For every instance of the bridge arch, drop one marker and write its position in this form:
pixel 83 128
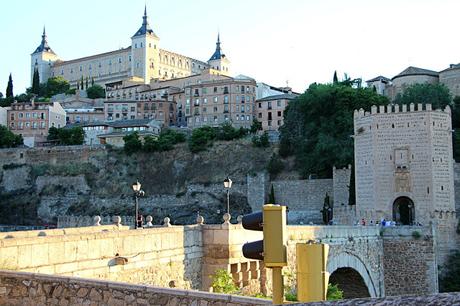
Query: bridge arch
pixel 345 265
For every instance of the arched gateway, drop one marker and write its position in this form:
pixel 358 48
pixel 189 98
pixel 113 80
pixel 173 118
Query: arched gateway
pixel 403 211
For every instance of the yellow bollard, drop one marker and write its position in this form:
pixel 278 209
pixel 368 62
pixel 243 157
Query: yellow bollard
pixel 312 275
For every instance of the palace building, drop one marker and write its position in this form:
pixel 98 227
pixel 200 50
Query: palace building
pixel 143 61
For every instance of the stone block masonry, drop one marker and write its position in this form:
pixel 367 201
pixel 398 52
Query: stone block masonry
pixel 409 260
pixel 19 288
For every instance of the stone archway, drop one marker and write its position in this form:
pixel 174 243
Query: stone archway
pixel 349 264
pixel 350 282
pixel 403 211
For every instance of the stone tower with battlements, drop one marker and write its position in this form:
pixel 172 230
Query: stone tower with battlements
pixel 404 167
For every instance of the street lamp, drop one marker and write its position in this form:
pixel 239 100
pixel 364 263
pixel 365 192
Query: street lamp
pixel 228 185
pixel 137 193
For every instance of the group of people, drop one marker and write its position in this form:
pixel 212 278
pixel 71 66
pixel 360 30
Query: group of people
pixel 382 222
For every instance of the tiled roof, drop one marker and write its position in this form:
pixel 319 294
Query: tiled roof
pixel 279 97
pixel 379 78
pixel 416 71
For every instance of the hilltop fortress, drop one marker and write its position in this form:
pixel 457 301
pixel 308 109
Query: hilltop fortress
pixel 142 61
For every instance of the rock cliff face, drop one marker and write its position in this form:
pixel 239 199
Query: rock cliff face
pixel 177 183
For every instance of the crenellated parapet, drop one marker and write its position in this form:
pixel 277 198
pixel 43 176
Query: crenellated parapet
pixel 396 108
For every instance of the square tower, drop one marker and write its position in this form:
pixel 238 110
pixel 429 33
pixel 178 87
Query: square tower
pixel 145 52
pixel 404 164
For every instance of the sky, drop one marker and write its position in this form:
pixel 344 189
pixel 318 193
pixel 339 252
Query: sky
pixel 294 42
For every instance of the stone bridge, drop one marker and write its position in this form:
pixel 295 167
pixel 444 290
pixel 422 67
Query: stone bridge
pixel 363 261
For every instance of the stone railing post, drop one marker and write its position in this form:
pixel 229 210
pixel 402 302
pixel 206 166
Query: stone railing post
pixel 97 221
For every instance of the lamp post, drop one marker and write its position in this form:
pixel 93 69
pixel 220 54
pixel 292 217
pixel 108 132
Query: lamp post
pixel 137 193
pixel 228 185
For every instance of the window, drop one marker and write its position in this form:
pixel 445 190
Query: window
pixel 142 45
pixel 27 115
pixel 215 119
pixel 248 117
pixel 237 117
pixel 34 125
pixel 133 108
pixel 28 124
pixel 12 116
pixel 204 109
pixel 205 91
pixel 205 100
pixel 215 109
pixel 279 114
pixel 269 104
pixel 215 89
pixel 21 115
pixel 260 115
pixel 225 108
pixel 20 125
pixel 278 103
pixel 215 99
pixel 260 105
pixel 80 68
pixel 42 125
pixel 242 108
pixel 34 115
pixel 129 58
pixel 226 99
pixel 119 60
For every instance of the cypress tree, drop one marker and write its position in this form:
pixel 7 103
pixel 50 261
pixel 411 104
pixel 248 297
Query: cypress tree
pixel 351 187
pixel 271 197
pixel 36 82
pixel 9 88
pixel 81 83
pixel 335 79
pixel 86 83
pixel 92 81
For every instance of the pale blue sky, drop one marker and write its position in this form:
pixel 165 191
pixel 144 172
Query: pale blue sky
pixel 273 41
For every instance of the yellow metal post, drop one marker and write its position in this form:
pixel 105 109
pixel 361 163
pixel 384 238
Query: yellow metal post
pixel 312 275
pixel 275 235
pixel 278 286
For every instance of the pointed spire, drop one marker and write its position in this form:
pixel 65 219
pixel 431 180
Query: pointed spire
pixel 145 28
pixel 218 53
pixel 43 47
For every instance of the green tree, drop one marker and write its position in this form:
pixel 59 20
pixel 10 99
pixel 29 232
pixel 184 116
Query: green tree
pixel 256 126
pixel 319 123
pixel 335 79
pixel 449 280
pixel 8 139
pixel 36 83
pixel 9 87
pixel 132 143
pixel 201 139
pixel 66 136
pixel 92 81
pixel 56 85
pixel 86 83
pixel 150 144
pixel 95 92
pixel 261 141
pixel 437 95
pixel 271 196
pixel 81 83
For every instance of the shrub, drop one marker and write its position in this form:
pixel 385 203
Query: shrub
pixel 95 92
pixel 275 165
pixel 449 280
pixel 8 139
pixel 334 293
pixel 132 143
pixel 261 141
pixel 222 282
pixel 416 235
pixel 201 138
